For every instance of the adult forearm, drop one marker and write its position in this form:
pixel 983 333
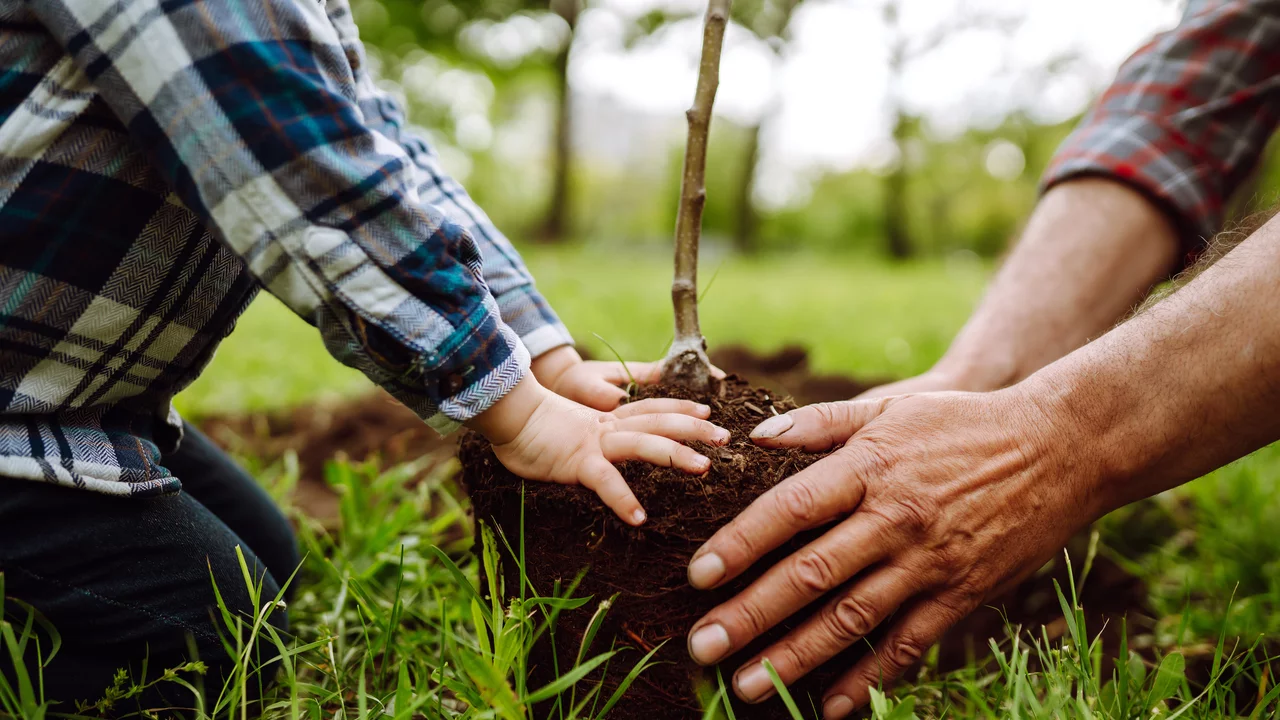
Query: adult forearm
pixel 1092 249
pixel 1188 386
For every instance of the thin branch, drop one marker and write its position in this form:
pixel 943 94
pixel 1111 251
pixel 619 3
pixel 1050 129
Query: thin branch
pixel 687 363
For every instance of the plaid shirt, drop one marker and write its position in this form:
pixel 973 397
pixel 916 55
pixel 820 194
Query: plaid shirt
pixel 1188 116
pixel 162 160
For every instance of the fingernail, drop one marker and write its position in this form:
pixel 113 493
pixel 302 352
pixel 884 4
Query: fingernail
pixel 708 644
pixel 638 517
pixel 836 707
pixel 706 571
pixel 704 409
pixel 772 428
pixel 721 437
pixel 753 683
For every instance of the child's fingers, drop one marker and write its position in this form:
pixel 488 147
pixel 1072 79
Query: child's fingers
pixel 602 478
pixel 676 427
pixel 663 405
pixel 653 449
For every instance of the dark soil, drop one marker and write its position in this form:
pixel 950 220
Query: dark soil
pixel 566 529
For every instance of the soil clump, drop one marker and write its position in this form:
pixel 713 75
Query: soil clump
pixel 566 529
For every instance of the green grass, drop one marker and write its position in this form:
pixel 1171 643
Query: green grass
pixel 391 622
pixel 857 316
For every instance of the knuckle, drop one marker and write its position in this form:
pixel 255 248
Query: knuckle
pixel 738 540
pixel 852 618
pixel 793 659
pixel 912 514
pixel 829 412
pixel 904 652
pixel 753 618
pixel 813 573
pixel 796 500
pixel 873 455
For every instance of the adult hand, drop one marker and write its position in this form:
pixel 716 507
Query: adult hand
pixel 939 501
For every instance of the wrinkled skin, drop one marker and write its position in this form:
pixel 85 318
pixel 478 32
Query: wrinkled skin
pixel 937 500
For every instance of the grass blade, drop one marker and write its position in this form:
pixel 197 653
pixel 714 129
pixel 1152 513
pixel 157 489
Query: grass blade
pixel 782 690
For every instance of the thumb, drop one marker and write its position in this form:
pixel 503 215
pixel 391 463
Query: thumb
pixel 818 427
pixel 600 395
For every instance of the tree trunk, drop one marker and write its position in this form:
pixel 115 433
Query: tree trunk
pixel 896 223
pixel 555 225
pixel 747 224
pixel 746 232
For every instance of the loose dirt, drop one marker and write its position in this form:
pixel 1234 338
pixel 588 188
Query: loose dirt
pixel 567 529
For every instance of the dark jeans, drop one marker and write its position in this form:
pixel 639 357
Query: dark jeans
pixel 125 579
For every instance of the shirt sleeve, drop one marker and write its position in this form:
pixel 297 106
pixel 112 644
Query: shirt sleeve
pixel 521 305
pixel 248 110
pixel 1188 116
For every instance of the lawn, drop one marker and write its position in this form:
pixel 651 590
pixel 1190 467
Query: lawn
pixel 389 624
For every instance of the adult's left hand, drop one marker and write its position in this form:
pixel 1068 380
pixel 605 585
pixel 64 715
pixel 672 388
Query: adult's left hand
pixel 940 500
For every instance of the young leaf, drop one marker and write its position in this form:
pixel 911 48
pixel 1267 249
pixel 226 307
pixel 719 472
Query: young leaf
pixel 1168 677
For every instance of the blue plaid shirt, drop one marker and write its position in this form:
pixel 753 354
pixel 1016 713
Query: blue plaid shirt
pixel 161 160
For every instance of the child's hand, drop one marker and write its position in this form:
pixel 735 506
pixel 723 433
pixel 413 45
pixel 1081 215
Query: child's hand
pixel 595 384
pixel 540 435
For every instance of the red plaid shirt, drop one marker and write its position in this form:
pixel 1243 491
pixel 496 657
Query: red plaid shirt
pixel 1188 116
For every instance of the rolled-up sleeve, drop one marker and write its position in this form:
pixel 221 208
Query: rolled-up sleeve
pixel 248 109
pixel 1188 116
pixel 522 306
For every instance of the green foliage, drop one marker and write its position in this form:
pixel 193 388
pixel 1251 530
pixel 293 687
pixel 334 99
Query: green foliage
pixel 1203 544
pixel 492 63
pixel 25 635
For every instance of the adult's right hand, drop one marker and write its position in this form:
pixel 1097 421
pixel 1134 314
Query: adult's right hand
pixel 939 501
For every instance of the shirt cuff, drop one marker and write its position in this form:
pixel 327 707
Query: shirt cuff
pixel 1151 156
pixel 530 316
pixel 484 391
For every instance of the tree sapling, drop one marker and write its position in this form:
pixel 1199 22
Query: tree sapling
pixel 686 364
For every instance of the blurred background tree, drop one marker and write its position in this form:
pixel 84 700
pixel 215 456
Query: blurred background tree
pixel 894 128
